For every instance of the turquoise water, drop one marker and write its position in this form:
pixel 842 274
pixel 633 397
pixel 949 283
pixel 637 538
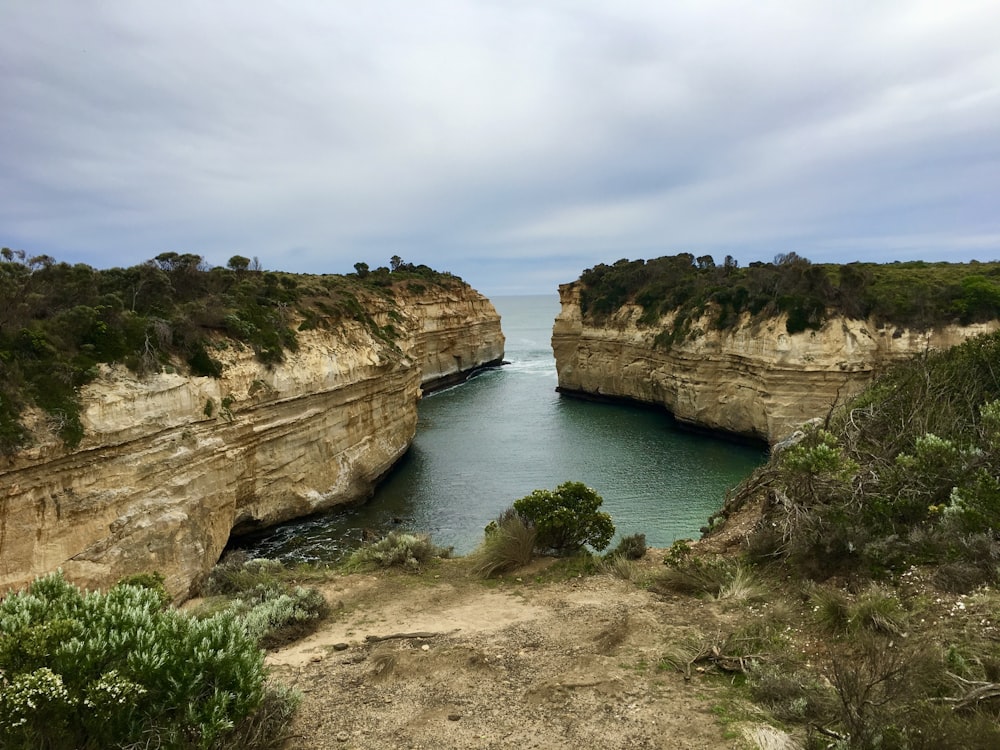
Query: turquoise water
pixel 485 443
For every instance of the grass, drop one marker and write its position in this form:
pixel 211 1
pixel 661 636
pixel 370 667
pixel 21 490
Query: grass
pixel 620 567
pixel 742 586
pixel 718 578
pixel 875 610
pixel 505 548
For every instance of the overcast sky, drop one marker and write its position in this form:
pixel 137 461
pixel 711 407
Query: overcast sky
pixel 512 142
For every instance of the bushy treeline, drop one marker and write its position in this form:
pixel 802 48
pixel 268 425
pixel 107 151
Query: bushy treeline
pixel 906 473
pixel 917 294
pixel 59 321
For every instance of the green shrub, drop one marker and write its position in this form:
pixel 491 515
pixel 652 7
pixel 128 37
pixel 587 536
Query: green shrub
pixel 260 592
pixel 154 582
pixel 632 547
pixel 238 573
pixel 397 550
pixel 508 544
pixel 106 670
pixel 278 615
pixel 202 364
pixel 567 518
pixel 875 610
pixel 906 473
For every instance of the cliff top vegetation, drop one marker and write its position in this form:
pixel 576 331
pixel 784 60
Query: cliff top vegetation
pixel 59 321
pixel 906 473
pixel 913 294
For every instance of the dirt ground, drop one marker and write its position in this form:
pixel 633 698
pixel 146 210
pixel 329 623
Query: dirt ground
pixel 442 660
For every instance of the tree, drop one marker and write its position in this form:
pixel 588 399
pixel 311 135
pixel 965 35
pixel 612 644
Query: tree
pixel 567 518
pixel 239 263
pixel 362 269
pixel 395 262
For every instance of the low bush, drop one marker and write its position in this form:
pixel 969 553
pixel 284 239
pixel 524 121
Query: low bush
pixel 397 550
pixel 885 688
pixel 720 578
pixel 567 519
pixel 875 610
pixel 273 609
pixel 238 573
pixel 632 547
pixel 276 616
pixel 508 544
pixel 115 669
pixel 905 473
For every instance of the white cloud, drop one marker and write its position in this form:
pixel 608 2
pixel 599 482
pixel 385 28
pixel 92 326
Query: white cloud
pixel 464 134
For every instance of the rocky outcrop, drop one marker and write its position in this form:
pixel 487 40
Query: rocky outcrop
pixel 172 465
pixel 753 380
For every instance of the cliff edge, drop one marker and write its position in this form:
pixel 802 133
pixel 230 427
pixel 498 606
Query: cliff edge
pixel 751 378
pixel 171 464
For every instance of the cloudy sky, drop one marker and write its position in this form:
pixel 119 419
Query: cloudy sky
pixel 513 142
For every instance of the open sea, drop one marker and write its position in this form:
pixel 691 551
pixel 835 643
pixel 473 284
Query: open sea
pixel 495 438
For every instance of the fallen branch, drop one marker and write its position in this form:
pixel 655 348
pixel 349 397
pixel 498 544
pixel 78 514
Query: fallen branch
pixel 976 692
pixel 725 662
pixel 830 733
pixel 404 636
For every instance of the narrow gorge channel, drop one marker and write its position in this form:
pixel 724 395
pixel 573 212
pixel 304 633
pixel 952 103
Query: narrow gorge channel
pixel 483 444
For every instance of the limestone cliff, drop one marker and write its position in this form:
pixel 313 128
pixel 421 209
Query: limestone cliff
pixel 171 465
pixel 753 380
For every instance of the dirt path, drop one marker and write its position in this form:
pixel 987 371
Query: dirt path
pixel 522 663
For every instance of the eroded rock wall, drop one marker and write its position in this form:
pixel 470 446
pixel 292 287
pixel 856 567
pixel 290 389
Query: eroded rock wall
pixel 171 465
pixel 454 335
pixel 754 380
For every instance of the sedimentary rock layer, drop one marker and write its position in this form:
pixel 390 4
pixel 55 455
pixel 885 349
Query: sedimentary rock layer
pixel 753 380
pixel 171 465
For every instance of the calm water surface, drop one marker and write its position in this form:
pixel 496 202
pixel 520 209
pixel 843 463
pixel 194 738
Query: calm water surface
pixel 483 444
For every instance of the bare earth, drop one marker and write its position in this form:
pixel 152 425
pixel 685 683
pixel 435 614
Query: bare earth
pixel 519 663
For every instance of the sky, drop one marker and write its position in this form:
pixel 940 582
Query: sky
pixel 514 143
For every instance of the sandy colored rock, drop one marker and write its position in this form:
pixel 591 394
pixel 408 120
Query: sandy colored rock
pixel 754 380
pixel 171 465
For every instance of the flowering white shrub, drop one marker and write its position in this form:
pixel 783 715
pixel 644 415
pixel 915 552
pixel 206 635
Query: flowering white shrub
pixel 100 670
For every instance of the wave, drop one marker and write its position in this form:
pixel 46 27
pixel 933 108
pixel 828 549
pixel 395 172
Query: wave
pixel 532 366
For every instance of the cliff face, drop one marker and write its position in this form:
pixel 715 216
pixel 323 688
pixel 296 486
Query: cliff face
pixel 752 380
pixel 171 465
pixel 454 334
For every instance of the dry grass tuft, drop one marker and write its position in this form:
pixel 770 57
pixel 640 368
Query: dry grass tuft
pixel 620 567
pixel 506 547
